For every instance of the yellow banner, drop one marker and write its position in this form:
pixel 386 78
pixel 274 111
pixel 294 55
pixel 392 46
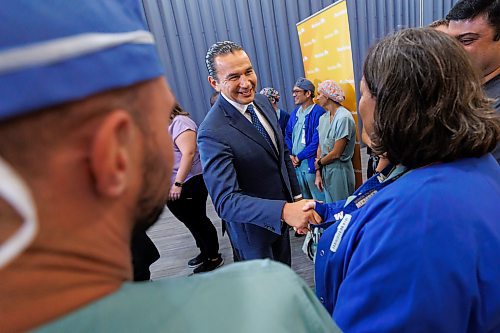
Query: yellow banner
pixel 325 43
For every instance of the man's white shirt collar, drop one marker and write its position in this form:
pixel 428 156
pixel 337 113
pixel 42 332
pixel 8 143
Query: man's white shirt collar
pixel 242 108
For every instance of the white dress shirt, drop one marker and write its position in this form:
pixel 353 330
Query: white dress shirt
pixel 242 108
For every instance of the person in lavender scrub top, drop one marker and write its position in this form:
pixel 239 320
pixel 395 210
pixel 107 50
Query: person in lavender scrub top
pixel 188 193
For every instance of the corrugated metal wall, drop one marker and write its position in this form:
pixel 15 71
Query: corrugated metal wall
pixel 184 29
pixel 370 20
pixel 436 9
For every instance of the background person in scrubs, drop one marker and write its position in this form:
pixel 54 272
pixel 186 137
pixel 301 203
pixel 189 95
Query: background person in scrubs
pixel 337 136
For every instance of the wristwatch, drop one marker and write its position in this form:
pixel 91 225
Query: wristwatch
pixel 319 163
pixel 178 184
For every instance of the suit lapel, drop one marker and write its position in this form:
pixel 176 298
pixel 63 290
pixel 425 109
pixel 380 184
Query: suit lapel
pixel 242 124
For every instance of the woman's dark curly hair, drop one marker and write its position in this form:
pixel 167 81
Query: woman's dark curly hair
pixel 430 106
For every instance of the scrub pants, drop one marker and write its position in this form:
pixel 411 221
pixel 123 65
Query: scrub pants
pixel 307 187
pixel 338 180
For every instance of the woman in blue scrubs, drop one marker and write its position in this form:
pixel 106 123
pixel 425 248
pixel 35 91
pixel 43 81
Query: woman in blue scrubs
pixel 416 248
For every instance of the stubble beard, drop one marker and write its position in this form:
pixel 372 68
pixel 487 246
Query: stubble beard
pixel 154 192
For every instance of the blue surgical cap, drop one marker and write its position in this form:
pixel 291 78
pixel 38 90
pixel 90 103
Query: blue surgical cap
pixel 305 84
pixel 52 52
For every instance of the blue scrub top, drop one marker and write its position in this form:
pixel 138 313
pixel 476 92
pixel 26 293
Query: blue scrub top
pixel 421 256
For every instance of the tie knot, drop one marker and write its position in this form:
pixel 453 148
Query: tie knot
pixel 250 108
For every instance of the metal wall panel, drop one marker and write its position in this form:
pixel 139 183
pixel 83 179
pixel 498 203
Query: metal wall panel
pixel 184 29
pixel 434 10
pixel 371 20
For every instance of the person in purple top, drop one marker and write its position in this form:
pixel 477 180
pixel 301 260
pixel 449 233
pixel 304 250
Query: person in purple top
pixel 188 193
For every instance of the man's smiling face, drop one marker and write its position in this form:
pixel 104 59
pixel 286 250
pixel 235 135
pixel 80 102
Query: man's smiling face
pixel 236 77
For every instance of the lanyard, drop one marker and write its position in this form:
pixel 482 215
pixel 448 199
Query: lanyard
pixel 357 200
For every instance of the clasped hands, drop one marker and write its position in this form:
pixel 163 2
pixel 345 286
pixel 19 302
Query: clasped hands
pixel 295 161
pixel 300 214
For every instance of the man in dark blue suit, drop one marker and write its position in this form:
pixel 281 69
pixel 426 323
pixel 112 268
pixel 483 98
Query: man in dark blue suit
pixel 246 164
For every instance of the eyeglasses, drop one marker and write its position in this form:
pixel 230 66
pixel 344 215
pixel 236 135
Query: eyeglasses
pixel 296 91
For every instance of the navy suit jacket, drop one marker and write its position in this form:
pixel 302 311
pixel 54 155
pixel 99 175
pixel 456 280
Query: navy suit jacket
pixel 248 181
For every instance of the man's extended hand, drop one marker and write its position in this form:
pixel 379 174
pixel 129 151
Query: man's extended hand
pixel 299 214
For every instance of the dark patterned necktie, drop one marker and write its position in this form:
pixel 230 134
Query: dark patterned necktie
pixel 258 125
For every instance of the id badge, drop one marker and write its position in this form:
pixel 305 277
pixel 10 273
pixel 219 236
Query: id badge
pixel 303 137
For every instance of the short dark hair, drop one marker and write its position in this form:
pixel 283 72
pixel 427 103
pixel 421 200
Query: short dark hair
pixel 219 48
pixel 439 23
pixel 469 9
pixel 430 106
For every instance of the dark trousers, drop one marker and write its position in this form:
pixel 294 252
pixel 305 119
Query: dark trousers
pixel 278 250
pixel 224 230
pixel 144 253
pixel 191 209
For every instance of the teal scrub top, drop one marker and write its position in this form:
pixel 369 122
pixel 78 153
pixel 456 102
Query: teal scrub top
pixel 253 296
pixel 338 176
pixel 342 126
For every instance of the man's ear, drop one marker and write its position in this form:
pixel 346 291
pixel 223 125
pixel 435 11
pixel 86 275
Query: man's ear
pixel 111 153
pixel 213 83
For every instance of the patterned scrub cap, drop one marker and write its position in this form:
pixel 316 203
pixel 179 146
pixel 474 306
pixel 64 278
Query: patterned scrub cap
pixel 332 90
pixel 270 92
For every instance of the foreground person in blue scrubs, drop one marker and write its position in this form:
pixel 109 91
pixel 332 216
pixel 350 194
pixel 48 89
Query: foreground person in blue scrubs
pixel 416 248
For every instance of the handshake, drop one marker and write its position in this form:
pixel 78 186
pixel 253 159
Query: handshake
pixel 300 214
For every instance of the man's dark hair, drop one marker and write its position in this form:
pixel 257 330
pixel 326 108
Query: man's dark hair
pixel 439 23
pixel 219 48
pixel 430 106
pixel 469 9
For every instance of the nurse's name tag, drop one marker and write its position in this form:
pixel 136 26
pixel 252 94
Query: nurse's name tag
pixel 340 232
